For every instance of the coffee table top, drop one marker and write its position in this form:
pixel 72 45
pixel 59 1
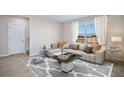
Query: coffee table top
pixel 66 58
pixel 59 53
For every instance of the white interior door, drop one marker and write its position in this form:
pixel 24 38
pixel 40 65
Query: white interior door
pixel 16 38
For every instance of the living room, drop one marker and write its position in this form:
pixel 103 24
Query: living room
pixel 70 39
pixel 66 46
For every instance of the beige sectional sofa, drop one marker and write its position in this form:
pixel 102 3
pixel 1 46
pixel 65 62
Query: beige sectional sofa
pixel 98 57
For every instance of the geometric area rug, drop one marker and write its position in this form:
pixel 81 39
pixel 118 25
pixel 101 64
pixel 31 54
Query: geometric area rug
pixel 51 68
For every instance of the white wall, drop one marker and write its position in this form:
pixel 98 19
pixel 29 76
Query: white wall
pixel 66 31
pixel 4 20
pixel 116 28
pixel 43 32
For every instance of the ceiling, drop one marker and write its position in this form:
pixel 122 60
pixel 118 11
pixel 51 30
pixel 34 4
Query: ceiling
pixel 63 18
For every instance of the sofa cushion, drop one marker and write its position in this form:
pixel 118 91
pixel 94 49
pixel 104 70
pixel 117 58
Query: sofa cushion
pixel 88 50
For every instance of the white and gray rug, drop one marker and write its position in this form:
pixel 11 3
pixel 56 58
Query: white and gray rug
pixel 51 68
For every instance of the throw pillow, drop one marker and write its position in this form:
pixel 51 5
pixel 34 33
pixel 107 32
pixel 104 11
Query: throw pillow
pixel 66 46
pixel 62 44
pixel 95 48
pixel 71 46
pixel 76 46
pixel 88 50
pixel 53 46
pixel 82 46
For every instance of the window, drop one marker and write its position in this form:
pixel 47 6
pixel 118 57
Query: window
pixel 87 33
pixel 90 29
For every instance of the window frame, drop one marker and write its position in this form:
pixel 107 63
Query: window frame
pixel 85 23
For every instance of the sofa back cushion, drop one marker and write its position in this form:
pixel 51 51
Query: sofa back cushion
pixel 74 46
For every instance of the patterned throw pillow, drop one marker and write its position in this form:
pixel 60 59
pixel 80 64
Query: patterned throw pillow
pixel 63 44
pixel 95 48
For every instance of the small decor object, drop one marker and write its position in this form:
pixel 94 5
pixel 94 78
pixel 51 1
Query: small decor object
pixel 63 57
pixel 116 40
pixel 37 60
pixel 62 43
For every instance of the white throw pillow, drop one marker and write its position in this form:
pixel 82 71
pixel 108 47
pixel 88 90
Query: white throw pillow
pixel 82 46
pixel 66 46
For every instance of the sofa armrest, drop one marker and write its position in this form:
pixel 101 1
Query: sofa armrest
pixel 100 56
pixel 46 49
pixel 48 53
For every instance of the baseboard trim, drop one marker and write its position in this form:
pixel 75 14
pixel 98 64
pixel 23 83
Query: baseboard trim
pixel 34 54
pixel 17 53
pixel 116 61
pixel 5 55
